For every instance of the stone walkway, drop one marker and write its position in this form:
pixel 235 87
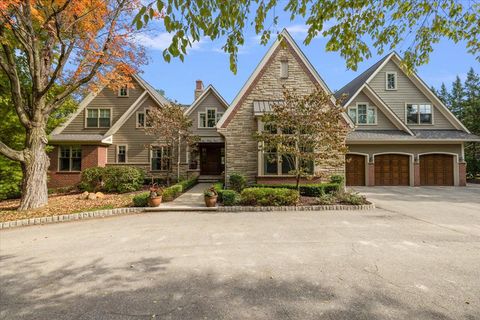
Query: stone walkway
pixel 190 200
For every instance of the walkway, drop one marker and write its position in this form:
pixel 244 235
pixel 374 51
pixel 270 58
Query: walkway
pixel 192 200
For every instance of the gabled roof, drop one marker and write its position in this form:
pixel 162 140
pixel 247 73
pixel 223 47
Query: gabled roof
pixel 149 91
pixel 251 81
pixel 356 85
pixel 388 136
pixel 209 90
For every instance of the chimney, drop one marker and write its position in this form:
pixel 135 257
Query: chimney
pixel 198 88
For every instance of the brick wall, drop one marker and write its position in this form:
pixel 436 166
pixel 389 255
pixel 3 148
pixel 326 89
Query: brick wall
pixel 92 156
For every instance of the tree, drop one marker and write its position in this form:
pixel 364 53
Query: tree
pixel 456 98
pixel 348 25
pixel 442 93
pixel 173 127
pixel 64 46
pixel 304 132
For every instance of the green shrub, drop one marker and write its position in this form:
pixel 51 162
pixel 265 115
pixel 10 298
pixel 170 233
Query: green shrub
pixel 91 179
pixel 187 184
pixel 352 198
pixel 172 192
pixel 112 179
pixel 141 199
pixel 308 190
pixel 336 178
pixel 326 199
pixel 229 197
pixel 238 182
pixel 218 186
pixel 269 197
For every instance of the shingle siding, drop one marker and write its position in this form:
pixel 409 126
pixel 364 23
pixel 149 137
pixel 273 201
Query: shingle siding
pixel 406 92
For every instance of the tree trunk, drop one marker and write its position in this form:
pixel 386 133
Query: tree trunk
pixel 35 168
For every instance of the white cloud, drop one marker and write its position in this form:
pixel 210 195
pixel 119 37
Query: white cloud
pixel 297 29
pixel 162 40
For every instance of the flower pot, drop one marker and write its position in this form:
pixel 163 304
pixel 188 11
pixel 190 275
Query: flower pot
pixel 211 201
pixel 154 201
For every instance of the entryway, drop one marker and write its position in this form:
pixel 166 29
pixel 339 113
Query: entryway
pixel 212 158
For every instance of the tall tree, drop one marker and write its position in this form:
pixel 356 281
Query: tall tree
pixel 67 43
pixel 471 118
pixel 303 132
pixel 456 97
pixel 348 25
pixel 443 93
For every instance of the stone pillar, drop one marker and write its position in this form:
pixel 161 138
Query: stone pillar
pixel 462 174
pixel 416 173
pixel 371 174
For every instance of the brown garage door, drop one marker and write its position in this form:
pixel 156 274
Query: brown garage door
pixel 355 170
pixel 436 170
pixel 392 170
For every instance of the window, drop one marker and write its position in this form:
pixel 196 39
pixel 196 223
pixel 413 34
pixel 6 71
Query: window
pixel 284 69
pixel 123 91
pixel 363 114
pixel 142 119
pixel 270 162
pixel 209 118
pixel 98 118
pixel 70 158
pixel 121 154
pixel 391 81
pixel 161 158
pixel 419 113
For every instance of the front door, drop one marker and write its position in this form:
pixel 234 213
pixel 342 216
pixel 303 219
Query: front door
pixel 211 159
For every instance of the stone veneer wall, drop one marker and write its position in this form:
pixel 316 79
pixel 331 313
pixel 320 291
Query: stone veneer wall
pixel 240 147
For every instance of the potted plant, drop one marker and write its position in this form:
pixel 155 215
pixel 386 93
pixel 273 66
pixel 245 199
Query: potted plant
pixel 210 196
pixel 155 197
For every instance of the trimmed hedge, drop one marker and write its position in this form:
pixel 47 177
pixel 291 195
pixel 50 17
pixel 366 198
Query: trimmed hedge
pixel 141 200
pixel 308 190
pixel 174 191
pixel 269 197
pixel 238 182
pixel 119 179
pixel 230 197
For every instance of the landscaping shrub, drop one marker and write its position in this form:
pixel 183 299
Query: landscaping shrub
pixel 141 200
pixel 269 197
pixel 352 198
pixel 308 190
pixel 326 199
pixel 187 184
pixel 218 186
pixel 172 192
pixel 112 179
pixel 336 178
pixel 238 182
pixel 229 197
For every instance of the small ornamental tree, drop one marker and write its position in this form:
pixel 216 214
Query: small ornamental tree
pixel 173 127
pixel 303 132
pixel 65 46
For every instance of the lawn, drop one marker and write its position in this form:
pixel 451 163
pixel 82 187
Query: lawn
pixel 64 204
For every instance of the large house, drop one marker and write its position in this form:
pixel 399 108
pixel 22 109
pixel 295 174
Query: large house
pixel 401 133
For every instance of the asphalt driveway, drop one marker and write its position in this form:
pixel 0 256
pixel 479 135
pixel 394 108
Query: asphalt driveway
pixel 417 257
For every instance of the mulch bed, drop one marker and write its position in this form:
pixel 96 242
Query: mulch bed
pixel 63 204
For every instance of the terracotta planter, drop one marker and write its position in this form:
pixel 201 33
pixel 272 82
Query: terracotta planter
pixel 211 201
pixel 155 202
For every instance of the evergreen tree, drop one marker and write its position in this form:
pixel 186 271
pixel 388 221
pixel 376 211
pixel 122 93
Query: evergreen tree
pixel 456 98
pixel 443 93
pixel 471 119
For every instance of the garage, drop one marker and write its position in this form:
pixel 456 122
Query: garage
pixel 355 170
pixel 392 170
pixel 436 170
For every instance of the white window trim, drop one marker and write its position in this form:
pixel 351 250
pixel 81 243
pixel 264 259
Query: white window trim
pixel 70 165
pixel 386 80
pixel 206 118
pixel 151 154
pixel 368 106
pixel 144 111
pixel 126 152
pixel 418 123
pixel 126 96
pixel 98 108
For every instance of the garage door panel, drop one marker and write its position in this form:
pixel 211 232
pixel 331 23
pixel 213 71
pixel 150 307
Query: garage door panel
pixel 436 170
pixel 392 170
pixel 355 170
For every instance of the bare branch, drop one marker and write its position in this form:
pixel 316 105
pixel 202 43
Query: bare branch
pixel 8 152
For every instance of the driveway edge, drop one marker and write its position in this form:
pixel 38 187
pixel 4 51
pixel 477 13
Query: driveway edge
pixel 332 207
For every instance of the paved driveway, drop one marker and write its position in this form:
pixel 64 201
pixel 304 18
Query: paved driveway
pixel 417 257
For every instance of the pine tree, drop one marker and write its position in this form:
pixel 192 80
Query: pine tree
pixel 456 98
pixel 443 93
pixel 471 119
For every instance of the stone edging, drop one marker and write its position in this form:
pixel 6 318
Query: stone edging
pixel 69 217
pixel 336 207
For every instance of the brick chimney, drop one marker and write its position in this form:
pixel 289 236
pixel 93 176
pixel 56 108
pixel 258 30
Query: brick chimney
pixel 198 88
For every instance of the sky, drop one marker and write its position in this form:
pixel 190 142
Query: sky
pixel 207 62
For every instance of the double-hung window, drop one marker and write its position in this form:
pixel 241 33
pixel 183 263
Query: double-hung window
pixel 161 158
pixel 142 119
pixel 123 91
pixel 98 118
pixel 363 114
pixel 70 158
pixel 391 81
pixel 209 118
pixel 419 113
pixel 121 154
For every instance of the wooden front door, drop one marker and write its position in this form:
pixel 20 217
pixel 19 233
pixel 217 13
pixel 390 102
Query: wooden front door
pixel 355 170
pixel 392 170
pixel 436 170
pixel 211 159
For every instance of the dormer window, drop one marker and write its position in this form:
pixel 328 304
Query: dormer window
pixel 142 119
pixel 284 69
pixel 209 118
pixel 123 91
pixel 363 114
pixel 391 81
